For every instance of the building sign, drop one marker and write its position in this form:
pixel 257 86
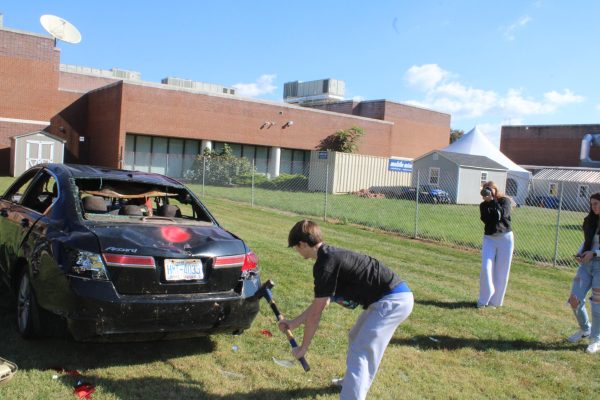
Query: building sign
pixel 322 155
pixel 399 165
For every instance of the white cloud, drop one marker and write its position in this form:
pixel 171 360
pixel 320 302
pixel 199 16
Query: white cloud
pixel 461 101
pixel 598 107
pixel 358 99
pixel 425 77
pixel 510 31
pixel 263 85
pixel 567 97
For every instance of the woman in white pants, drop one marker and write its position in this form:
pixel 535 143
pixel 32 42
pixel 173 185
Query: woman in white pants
pixel 498 246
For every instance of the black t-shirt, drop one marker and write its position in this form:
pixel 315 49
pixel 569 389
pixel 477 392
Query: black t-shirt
pixel 350 278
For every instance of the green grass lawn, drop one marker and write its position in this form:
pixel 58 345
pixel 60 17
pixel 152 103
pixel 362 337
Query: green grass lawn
pixel 535 228
pixel 447 349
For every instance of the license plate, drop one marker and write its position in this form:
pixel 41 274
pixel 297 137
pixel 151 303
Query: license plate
pixel 183 270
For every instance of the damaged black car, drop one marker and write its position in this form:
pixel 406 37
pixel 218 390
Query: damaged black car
pixel 105 253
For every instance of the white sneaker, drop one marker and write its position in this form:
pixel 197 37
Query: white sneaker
pixel 337 382
pixel 594 347
pixel 577 336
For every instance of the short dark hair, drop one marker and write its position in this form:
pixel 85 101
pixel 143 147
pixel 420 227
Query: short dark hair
pixel 305 231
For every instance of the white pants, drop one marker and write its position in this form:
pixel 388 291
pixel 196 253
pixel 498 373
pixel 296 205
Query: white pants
pixel 369 338
pixel 496 256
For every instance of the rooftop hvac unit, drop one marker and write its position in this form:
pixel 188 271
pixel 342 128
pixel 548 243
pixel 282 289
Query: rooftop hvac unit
pixel 124 74
pixel 184 83
pixel 319 91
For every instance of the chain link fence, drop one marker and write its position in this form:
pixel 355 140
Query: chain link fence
pixel 547 228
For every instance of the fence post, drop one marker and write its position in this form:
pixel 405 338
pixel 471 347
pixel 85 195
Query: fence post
pixel 557 237
pixel 415 235
pixel 203 173
pixel 252 187
pixel 326 189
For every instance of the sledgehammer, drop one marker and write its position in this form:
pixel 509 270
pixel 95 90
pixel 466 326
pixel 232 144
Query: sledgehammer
pixel 265 291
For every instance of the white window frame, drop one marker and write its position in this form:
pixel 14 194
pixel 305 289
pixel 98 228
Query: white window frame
pixel 435 175
pixel 551 186
pixel 484 178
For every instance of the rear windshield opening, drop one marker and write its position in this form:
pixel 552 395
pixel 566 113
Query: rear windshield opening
pixel 126 200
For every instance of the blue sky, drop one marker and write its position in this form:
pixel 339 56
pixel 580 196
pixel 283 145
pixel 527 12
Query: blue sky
pixel 486 63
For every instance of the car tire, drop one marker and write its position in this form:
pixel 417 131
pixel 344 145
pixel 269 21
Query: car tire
pixel 28 316
pixel 435 200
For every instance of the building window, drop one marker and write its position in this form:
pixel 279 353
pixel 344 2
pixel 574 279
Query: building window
pixel 553 189
pixel 434 176
pixel 484 178
pixel 584 191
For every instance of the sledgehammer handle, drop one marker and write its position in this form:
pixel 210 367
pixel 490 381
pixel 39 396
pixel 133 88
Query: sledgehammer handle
pixel 288 333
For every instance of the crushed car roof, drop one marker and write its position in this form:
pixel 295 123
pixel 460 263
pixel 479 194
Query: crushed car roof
pixel 90 171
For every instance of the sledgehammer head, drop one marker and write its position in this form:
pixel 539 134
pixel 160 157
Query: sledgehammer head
pixel 263 290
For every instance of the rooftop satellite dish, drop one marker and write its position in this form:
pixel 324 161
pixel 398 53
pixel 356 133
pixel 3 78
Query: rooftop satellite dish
pixel 60 29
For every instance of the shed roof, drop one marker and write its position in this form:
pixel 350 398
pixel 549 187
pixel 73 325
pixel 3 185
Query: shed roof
pixel 39 132
pixel 591 175
pixel 469 160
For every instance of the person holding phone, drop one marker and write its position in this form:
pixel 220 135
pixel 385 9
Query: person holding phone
pixel 497 248
pixel 586 278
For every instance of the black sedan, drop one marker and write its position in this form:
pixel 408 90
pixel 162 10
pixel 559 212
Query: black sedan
pixel 108 253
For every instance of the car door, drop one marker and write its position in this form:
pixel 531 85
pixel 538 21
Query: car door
pixel 16 219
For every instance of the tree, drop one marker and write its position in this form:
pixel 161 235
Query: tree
pixel 456 134
pixel 344 140
pixel 218 168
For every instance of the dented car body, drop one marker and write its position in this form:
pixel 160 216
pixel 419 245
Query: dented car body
pixel 113 253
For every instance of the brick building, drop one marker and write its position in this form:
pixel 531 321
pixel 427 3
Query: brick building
pixel 548 145
pixel 128 123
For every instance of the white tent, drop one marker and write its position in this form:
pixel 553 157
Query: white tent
pixel 474 142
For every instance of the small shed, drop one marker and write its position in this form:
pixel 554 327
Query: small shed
pixel 461 175
pixel 574 185
pixel 34 148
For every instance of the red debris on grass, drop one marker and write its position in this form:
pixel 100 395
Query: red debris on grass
pixel 84 390
pixel 266 332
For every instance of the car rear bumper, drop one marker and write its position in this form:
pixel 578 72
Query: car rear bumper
pixel 98 313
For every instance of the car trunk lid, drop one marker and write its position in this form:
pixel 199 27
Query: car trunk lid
pixel 165 259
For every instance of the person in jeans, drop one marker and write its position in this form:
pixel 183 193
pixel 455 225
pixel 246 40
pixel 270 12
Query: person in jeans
pixel 497 248
pixel 350 279
pixel 588 277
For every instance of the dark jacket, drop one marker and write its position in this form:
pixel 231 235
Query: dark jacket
pixel 495 215
pixel 590 226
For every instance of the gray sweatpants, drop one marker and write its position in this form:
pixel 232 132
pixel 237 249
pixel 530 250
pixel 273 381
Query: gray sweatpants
pixel 369 338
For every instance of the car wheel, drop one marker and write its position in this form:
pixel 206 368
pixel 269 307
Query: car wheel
pixel 28 322
pixel 435 200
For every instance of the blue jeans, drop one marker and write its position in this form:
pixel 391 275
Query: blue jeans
pixel 588 277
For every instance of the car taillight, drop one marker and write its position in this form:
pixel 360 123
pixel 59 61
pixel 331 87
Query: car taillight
pixel 125 260
pixel 246 261
pixel 89 265
pixel 250 262
pixel 229 261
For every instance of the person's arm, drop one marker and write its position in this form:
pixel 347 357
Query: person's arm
pixel 310 318
pixel 505 206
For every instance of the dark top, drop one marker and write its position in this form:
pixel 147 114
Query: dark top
pixel 590 228
pixel 350 278
pixel 495 215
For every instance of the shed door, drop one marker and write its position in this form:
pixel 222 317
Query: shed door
pixel 38 152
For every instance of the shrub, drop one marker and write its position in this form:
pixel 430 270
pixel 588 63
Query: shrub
pixel 219 169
